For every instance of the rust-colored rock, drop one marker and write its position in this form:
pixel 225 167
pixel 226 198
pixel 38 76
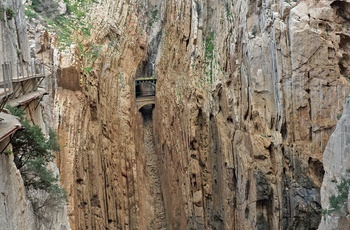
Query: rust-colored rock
pixel 248 95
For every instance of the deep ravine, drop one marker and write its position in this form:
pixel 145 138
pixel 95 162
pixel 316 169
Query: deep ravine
pixel 152 172
pixel 248 93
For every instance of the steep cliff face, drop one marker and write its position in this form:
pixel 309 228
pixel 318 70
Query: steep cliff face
pixel 335 186
pixel 14 38
pixel 12 203
pixel 94 120
pixel 248 94
pixel 16 209
pixel 254 130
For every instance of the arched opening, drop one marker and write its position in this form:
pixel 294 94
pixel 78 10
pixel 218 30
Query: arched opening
pixel 146 111
pixel 147 105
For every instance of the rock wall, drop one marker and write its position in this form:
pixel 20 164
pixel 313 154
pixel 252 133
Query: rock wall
pixel 248 94
pixel 14 204
pixel 16 210
pixel 94 120
pixel 336 164
pixel 251 142
pixel 14 46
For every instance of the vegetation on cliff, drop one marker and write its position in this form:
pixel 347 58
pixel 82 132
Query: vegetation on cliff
pixel 71 25
pixel 339 201
pixel 64 20
pixel 33 153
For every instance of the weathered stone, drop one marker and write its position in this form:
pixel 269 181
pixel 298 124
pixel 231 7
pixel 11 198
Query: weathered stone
pixel 241 88
pixel 336 164
pixel 16 210
pixel 262 187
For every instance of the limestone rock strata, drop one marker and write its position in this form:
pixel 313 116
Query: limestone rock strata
pixel 15 208
pixel 248 94
pixel 94 119
pixel 336 164
pixel 13 39
pixel 251 142
pixel 14 205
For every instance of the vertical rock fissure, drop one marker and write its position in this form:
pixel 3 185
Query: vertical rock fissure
pixel 157 203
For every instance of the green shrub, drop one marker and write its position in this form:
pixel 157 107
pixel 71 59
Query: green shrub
pixel 36 3
pixel 339 200
pixel 32 153
pixel 63 24
pixel 209 54
pixel 209 47
pixel 228 11
pixel 30 13
pixel 87 70
pixel 9 14
pixel 154 17
pixel 339 116
pixel 198 8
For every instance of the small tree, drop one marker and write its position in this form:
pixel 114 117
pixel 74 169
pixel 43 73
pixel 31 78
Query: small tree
pixel 339 201
pixel 32 152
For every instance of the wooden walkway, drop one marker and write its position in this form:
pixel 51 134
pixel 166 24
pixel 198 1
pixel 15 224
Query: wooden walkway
pixel 18 86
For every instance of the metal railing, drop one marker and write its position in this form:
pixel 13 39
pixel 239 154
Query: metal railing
pixel 25 70
pixel 6 79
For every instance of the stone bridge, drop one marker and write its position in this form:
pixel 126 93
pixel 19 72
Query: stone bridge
pixel 145 89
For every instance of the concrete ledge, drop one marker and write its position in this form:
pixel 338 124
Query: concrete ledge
pixel 26 98
pixel 4 91
pixel 9 124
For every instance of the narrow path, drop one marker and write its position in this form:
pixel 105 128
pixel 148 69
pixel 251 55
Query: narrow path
pixel 159 221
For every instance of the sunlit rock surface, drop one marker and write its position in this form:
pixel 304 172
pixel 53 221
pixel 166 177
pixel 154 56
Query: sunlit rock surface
pixel 336 165
pixel 248 95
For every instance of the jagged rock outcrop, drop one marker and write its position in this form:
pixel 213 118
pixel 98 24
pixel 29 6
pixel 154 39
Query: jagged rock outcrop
pixel 13 39
pixel 248 94
pixel 17 211
pixel 14 206
pixel 270 112
pixel 98 154
pixel 337 164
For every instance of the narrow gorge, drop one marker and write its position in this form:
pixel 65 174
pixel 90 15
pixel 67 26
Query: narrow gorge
pixel 189 114
pixel 155 200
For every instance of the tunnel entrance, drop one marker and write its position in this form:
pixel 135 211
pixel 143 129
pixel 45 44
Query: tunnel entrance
pixel 146 112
